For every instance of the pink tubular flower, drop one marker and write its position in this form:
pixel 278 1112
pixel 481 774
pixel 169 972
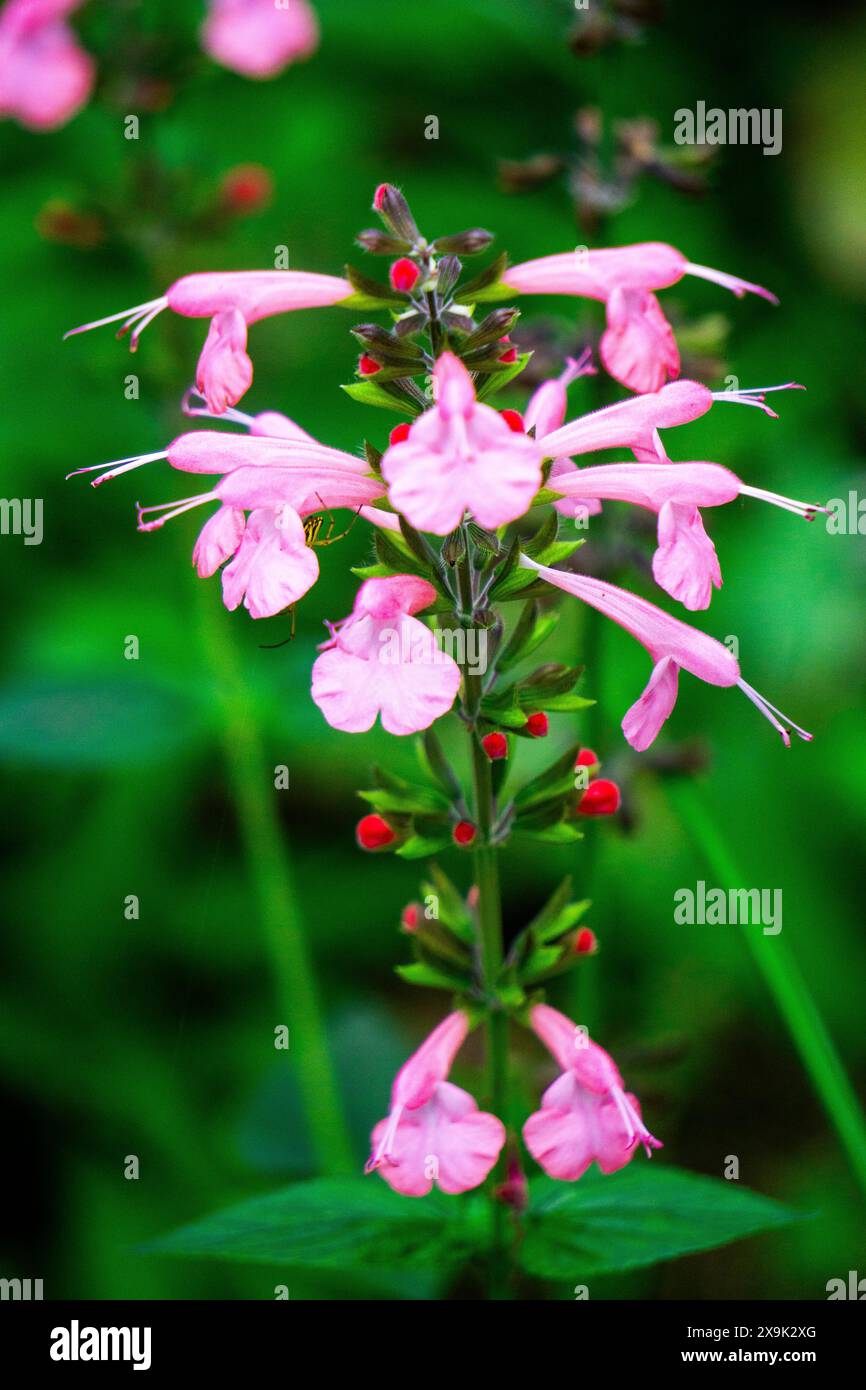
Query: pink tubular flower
pixel 435 1131
pixel 587 1115
pixel 461 456
pixel 45 76
pixel 546 413
pixel 232 300
pixel 259 38
pixel 673 646
pixel 638 347
pixel 635 423
pixel 685 564
pixel 382 660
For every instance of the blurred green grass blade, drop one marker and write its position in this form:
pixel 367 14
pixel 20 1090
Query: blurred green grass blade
pixel 273 885
pixel 786 984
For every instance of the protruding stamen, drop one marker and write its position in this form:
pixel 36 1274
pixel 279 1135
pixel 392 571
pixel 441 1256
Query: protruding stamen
pixel 809 510
pixel 146 311
pixel 237 417
pixel 729 282
pixel 754 395
pixel 171 510
pixel 774 715
pixel 577 367
pixel 115 469
pixel 383 1152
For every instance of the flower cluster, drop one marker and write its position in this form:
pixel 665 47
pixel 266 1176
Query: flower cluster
pixel 46 77
pixel 465 501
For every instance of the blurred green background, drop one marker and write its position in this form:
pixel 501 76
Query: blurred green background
pixel 154 1036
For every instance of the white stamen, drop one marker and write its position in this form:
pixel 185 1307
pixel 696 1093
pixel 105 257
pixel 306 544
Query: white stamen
pixel 770 712
pixel 117 467
pixel 171 510
pixel 788 504
pixel 140 311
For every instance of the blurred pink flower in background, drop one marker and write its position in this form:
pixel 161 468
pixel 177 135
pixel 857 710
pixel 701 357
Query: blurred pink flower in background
pixel 45 75
pixel 259 38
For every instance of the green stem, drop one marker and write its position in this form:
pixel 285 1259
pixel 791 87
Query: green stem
pixel 784 981
pixel 490 937
pixel 273 886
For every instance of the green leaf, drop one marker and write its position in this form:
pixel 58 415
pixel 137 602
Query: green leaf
pixel 436 763
pixel 563 832
pixel 368 393
pixel 327 1223
pixel 453 912
pixel 643 1215
pixel 371 291
pixel 423 846
pixel 546 781
pixel 566 704
pixel 497 379
pixel 420 973
pixel 488 279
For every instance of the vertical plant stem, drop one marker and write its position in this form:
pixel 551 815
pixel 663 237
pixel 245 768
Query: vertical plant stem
pixel 490 934
pixel 782 977
pixel 273 885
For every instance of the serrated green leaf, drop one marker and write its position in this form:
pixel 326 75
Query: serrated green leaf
pixel 643 1215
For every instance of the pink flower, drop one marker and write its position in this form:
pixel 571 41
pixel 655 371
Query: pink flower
pixel 45 76
pixel 673 646
pixel 546 412
pixel 435 1131
pixel 461 456
pixel 259 38
pixel 224 370
pixel 232 300
pixel 638 347
pixel 685 564
pixel 587 1115
pixel 635 423
pixel 273 567
pixel 383 661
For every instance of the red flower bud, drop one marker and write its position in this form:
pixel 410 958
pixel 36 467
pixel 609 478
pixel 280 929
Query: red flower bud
pixel 601 798
pixel 495 746
pixel 372 832
pixel 404 275
pixel 510 353
pixel 379 196
pixel 399 433
pixel 586 942
pixel 537 725
pixel 247 188
pixel 367 366
pixel 410 917
pixel 587 758
pixel 514 421
pixel 463 833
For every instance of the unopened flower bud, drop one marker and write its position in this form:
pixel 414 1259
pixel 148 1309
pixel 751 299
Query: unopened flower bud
pixel 495 746
pixel 510 353
pixel 247 188
pixel 368 366
pixel 465 243
pixel 586 942
pixel 404 275
pixel 463 833
pixel 601 798
pixel 394 211
pixel 514 421
pixel 587 758
pixel 372 832
pixel 537 725
pixel 410 917
pixel 399 433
